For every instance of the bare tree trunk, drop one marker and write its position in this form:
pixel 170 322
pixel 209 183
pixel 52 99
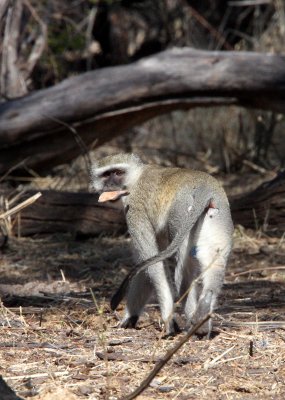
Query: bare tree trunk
pixel 16 62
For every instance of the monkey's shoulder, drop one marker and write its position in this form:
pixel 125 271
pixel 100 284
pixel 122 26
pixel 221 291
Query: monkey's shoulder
pixel 159 186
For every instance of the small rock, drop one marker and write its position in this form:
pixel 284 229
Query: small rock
pixel 117 342
pixel 155 383
pixel 166 389
pixel 84 389
pixel 252 251
pixel 266 249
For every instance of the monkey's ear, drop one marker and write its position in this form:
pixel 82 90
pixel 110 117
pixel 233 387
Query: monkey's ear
pixel 112 196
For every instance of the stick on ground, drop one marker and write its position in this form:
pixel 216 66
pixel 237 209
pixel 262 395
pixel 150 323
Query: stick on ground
pixel 145 383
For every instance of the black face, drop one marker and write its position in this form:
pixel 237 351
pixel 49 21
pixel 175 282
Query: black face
pixel 113 179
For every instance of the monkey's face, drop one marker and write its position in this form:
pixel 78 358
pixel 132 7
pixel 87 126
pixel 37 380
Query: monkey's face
pixel 108 180
pixel 114 176
pixel 110 183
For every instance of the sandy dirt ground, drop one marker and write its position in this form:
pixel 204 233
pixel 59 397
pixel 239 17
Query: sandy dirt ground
pixel 59 342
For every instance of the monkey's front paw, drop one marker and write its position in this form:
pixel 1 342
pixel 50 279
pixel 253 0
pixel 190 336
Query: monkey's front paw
pixel 129 322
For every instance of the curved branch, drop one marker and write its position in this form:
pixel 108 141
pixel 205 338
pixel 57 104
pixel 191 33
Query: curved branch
pixel 105 103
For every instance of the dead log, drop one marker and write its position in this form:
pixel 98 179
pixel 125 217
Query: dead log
pixel 81 214
pixel 78 213
pixel 105 103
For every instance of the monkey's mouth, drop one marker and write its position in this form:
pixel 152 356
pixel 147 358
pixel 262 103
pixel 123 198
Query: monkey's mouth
pixel 112 196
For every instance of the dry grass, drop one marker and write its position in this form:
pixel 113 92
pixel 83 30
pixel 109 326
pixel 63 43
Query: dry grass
pixel 59 344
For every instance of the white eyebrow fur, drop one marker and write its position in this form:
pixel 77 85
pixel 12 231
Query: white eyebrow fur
pixel 101 170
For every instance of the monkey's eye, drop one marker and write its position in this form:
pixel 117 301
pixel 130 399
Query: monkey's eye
pixel 106 174
pixel 118 172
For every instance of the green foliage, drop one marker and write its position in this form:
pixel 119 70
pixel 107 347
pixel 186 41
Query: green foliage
pixel 68 39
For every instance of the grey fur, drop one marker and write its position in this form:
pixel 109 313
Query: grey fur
pixel 189 210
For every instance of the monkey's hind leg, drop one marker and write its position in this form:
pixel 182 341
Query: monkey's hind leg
pixel 213 248
pixel 186 271
pixel 165 297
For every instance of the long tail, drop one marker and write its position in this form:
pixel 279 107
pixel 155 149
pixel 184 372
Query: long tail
pixel 183 232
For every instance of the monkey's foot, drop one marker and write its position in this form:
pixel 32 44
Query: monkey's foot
pixel 203 308
pixel 172 328
pixel 205 330
pixel 129 322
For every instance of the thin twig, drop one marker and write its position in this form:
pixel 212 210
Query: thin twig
pixel 38 375
pixel 20 206
pixel 40 42
pixel 209 364
pixel 80 142
pixel 257 270
pixel 206 24
pixel 259 324
pixel 19 164
pixel 145 383
pixel 255 167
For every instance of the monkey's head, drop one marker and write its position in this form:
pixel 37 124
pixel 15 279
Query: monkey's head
pixel 114 176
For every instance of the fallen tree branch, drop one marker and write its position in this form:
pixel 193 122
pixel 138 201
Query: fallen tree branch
pixel 81 213
pixel 78 213
pixel 105 103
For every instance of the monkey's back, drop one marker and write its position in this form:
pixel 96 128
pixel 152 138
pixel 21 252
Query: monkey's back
pixel 159 186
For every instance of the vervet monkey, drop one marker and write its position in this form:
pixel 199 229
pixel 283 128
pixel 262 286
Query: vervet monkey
pixel 188 209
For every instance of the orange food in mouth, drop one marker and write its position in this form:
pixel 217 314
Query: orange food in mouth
pixel 112 196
